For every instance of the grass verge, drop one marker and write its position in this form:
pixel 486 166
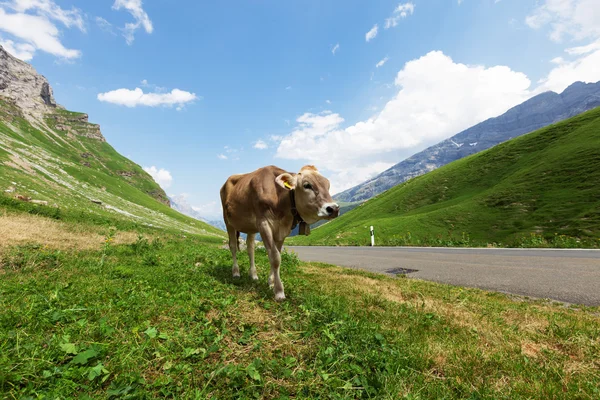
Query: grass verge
pixel 164 318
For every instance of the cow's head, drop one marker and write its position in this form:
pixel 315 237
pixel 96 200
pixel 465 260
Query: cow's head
pixel 313 200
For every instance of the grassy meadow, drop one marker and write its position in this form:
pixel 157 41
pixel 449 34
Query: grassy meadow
pixel 154 314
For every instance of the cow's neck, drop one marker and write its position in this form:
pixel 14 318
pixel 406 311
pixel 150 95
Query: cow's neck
pixel 304 227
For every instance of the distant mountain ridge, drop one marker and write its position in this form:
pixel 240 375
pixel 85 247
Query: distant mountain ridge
pixel 180 203
pixel 540 111
pixel 539 189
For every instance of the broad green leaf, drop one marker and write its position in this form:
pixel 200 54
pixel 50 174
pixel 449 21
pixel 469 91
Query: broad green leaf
pixel 151 332
pixel 252 372
pixel 69 348
pixel 97 371
pixel 83 357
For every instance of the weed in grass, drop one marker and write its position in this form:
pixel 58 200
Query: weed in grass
pixel 107 244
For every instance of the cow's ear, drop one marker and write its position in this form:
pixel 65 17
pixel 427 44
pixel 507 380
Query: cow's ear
pixel 286 181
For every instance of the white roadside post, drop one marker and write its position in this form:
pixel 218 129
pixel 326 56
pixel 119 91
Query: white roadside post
pixel 372 237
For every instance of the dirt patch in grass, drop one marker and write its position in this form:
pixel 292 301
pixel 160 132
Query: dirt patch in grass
pixel 525 321
pixel 390 290
pixel 20 164
pixel 270 335
pixel 24 229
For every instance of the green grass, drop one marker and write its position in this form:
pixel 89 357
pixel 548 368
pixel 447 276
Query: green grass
pixel 164 318
pixel 541 190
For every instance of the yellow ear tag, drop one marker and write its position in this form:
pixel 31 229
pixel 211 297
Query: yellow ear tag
pixel 287 185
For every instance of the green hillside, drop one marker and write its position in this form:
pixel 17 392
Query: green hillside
pixel 539 189
pixel 62 167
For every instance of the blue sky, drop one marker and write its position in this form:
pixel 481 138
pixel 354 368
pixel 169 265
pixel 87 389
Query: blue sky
pixel 304 82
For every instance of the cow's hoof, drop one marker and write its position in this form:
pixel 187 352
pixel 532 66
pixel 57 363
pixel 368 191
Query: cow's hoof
pixel 279 296
pixel 236 275
pixel 254 277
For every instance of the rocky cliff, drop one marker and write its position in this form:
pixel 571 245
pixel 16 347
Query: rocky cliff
pixel 21 83
pixel 535 113
pixel 30 92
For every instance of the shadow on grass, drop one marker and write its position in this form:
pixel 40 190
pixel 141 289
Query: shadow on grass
pixel 222 273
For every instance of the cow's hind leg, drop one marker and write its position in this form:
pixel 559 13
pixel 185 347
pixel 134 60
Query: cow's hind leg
pixel 250 246
pixel 233 247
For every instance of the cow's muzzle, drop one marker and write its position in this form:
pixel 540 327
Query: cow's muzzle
pixel 329 210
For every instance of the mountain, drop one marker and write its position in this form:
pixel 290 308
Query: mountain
pixel 55 159
pixel 546 183
pixel 540 111
pixel 180 203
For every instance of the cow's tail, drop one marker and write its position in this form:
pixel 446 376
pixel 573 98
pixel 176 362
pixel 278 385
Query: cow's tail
pixel 237 239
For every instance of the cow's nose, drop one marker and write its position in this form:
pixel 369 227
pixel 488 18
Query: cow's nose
pixel 333 210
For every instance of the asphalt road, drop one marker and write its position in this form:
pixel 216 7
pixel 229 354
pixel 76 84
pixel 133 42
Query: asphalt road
pixel 571 276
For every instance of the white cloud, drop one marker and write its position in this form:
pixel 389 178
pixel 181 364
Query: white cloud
pixel 23 51
pixel 382 62
pixel 372 33
pixel 230 150
pixel 335 49
pixel 436 99
pixel 581 50
pixel 137 97
pixel 579 19
pixel 105 25
pixel 34 24
pixel 402 11
pixel 222 157
pixel 585 68
pixel 260 145
pixel 326 101
pixel 160 176
pixel 141 18
pixel 50 10
pixel 288 88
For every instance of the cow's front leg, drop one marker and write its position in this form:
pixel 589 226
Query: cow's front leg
pixel 233 246
pixel 250 246
pixel 275 259
pixel 273 250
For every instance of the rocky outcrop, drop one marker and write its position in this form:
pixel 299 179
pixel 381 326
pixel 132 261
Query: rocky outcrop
pixel 20 83
pixel 31 93
pixel 535 113
pixel 76 124
pixel 160 196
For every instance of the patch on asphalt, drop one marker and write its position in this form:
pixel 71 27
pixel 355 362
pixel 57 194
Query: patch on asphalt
pixel 401 271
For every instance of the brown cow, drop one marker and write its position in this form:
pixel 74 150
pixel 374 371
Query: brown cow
pixel 271 201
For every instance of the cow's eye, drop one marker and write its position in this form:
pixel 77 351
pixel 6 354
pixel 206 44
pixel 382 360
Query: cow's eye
pixel 307 186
